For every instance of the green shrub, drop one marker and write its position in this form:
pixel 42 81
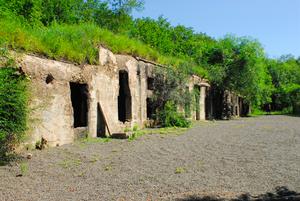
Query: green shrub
pixel 170 117
pixel 135 128
pixel 13 109
pixel 170 91
pixel 296 101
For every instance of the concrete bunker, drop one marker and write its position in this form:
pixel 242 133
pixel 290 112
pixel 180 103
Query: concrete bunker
pixel 73 103
pixel 124 98
pixel 79 99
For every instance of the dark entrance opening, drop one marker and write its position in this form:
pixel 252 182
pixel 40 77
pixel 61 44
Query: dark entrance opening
pixel 124 99
pixel 197 101
pixel 208 105
pixel 150 109
pixel 187 103
pixel 150 83
pixel 217 102
pixel 79 98
pixel 101 124
pixel 244 108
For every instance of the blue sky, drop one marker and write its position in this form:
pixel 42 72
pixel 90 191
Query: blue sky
pixel 275 23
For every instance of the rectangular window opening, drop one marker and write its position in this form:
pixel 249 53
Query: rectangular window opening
pixel 124 99
pixel 150 109
pixel 79 98
pixel 150 83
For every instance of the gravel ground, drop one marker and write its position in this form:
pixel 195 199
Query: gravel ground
pixel 252 155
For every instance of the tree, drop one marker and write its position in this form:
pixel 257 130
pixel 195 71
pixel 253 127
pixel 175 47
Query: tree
pixel 237 64
pixel 285 74
pixel 126 6
pixel 28 9
pixel 170 92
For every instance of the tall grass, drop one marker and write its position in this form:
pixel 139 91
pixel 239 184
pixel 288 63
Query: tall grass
pixel 76 43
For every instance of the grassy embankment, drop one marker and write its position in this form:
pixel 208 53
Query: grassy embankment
pixel 78 43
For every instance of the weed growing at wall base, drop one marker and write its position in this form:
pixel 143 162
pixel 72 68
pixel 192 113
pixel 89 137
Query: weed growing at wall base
pixel 170 117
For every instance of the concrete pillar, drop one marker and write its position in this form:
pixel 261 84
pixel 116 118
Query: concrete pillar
pixel 92 114
pixel 202 102
pixel 238 106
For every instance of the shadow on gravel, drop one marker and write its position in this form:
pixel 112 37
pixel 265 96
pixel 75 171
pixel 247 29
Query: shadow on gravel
pixel 281 193
pixel 293 115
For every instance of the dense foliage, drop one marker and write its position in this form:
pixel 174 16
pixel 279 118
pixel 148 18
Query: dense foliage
pixel 170 90
pixel 170 117
pixel 238 64
pixel 285 74
pixel 113 14
pixel 13 105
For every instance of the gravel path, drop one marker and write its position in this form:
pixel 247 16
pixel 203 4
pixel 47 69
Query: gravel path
pixel 224 157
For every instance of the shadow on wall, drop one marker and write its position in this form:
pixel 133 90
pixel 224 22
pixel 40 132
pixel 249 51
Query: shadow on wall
pixel 281 193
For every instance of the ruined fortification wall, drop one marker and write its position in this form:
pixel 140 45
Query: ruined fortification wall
pixel 51 102
pixel 69 101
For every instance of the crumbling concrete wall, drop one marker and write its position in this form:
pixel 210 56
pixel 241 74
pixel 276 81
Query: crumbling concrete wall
pixel 224 104
pixel 51 104
pixel 51 108
pixel 52 112
pixel 234 104
pixel 202 84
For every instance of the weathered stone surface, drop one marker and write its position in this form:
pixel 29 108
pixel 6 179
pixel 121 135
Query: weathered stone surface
pixel 52 116
pixel 203 85
pixel 52 111
pixel 106 57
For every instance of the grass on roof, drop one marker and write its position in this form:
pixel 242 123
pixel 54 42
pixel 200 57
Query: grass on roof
pixel 78 43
